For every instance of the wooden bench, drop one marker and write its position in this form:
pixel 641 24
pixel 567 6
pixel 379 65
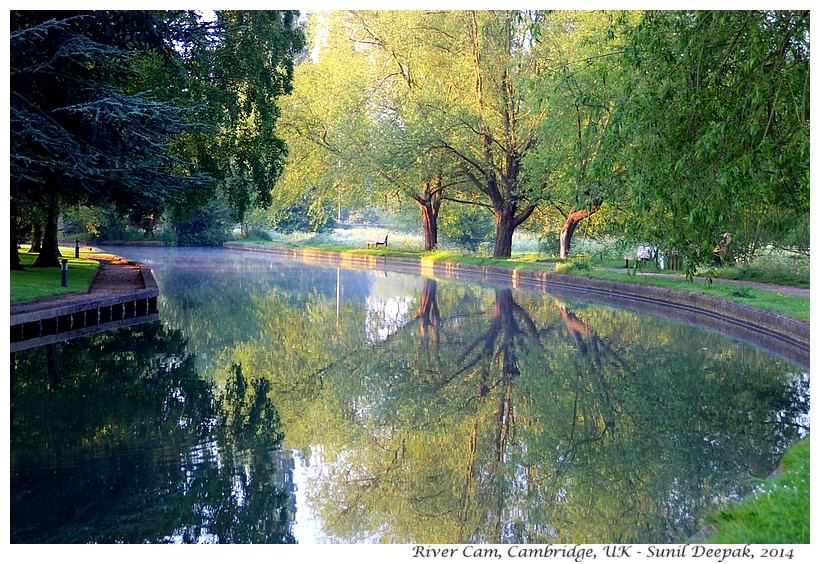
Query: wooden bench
pixel 644 253
pixel 378 241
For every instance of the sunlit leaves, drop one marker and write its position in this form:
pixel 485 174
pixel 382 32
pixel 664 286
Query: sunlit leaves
pixel 716 121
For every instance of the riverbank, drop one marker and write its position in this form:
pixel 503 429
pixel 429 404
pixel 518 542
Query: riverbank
pixel 492 275
pixel 778 333
pixel 121 293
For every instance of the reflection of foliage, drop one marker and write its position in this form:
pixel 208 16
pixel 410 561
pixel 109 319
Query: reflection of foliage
pixel 239 304
pixel 147 458
pixel 523 420
pixel 434 411
pixel 246 414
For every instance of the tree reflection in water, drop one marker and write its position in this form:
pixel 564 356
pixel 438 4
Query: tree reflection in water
pixel 467 415
pixel 536 421
pixel 115 438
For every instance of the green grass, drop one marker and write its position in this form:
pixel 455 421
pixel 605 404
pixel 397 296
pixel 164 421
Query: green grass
pixel 796 307
pixel 777 513
pixel 33 283
pixel 787 275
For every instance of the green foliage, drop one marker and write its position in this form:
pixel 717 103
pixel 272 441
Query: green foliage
pixel 106 224
pixel 237 78
pixel 797 275
pixel 575 264
pixel 206 226
pixel 666 125
pixel 743 293
pixel 467 226
pixel 713 126
pixel 580 69
pixel 79 134
pixel 309 214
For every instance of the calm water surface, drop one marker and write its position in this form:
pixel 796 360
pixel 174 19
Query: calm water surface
pixel 282 403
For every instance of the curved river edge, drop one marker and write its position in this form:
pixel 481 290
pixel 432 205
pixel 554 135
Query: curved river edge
pixel 782 335
pixel 59 318
pixel 779 334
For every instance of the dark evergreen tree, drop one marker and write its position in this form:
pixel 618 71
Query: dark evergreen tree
pixel 78 135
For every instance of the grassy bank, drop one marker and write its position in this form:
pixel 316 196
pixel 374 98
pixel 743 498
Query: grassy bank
pixel 33 283
pixel 777 513
pixel 796 307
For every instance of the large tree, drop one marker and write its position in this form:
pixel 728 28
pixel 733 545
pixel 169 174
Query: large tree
pixel 714 124
pixel 354 122
pixel 580 68
pixel 439 104
pixel 77 134
pixel 235 79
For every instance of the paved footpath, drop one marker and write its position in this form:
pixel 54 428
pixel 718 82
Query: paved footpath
pixel 115 276
pixel 790 290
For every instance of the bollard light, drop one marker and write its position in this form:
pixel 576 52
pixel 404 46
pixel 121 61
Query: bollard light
pixel 65 273
pixel 76 249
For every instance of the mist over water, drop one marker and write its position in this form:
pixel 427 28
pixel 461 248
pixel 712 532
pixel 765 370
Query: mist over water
pixel 276 402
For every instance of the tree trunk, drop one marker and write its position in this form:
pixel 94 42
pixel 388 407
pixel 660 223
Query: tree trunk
pixel 429 224
pixel 15 254
pixel 504 230
pixel 573 219
pixel 36 237
pixel 429 203
pixel 50 252
pixel 506 221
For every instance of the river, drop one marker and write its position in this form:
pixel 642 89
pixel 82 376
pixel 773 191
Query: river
pixel 277 402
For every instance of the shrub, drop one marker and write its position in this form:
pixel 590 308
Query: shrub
pixel 578 263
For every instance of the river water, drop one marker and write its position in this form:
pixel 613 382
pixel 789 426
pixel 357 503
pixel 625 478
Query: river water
pixel 276 402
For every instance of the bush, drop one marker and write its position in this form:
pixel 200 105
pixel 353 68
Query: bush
pixel 259 234
pixel 466 226
pixel 208 226
pixel 578 263
pixel 549 245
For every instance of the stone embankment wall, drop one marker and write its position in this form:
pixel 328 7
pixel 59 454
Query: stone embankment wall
pixel 83 314
pixel 782 335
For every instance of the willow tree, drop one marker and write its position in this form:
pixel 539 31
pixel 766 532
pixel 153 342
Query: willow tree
pixel 357 130
pixel 462 78
pixel 714 124
pixel 580 71
pixel 487 123
pixel 442 100
pixel 326 122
